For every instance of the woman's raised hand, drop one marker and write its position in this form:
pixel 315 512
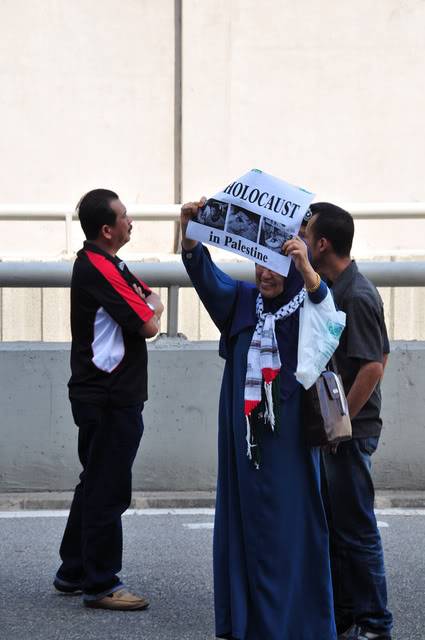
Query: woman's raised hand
pixel 188 212
pixel 296 249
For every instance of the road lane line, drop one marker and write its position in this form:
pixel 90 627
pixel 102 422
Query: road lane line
pixel 42 513
pixel 63 513
pixel 210 525
pixel 172 512
pixel 399 512
pixel 199 525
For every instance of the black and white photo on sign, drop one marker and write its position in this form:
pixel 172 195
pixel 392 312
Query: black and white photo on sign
pixel 213 214
pixel 274 235
pixel 243 223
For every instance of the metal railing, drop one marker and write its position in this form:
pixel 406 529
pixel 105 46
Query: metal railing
pixel 65 213
pixel 166 274
pixel 170 213
pixel 173 276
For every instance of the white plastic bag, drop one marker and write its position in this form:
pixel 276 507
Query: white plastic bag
pixel 321 326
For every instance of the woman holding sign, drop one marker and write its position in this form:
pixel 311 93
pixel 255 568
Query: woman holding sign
pixel 272 576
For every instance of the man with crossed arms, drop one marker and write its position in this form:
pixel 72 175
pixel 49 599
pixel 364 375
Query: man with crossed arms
pixel 112 314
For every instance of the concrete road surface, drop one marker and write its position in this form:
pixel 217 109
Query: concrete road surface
pixel 168 558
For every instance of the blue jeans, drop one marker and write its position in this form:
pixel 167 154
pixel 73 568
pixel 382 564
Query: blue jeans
pixel 357 559
pixel 91 549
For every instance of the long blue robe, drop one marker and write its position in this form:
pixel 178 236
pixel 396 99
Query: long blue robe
pixel 272 577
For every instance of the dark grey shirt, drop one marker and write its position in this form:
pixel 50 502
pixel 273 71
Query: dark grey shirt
pixel 364 340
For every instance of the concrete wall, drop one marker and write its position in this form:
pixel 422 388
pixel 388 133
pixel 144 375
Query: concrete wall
pixel 87 99
pixel 38 439
pixel 328 95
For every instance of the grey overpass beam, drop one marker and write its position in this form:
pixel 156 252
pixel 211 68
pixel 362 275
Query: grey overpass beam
pixel 167 274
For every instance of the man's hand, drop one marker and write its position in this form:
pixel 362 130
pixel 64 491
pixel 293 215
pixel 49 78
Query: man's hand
pixel 296 249
pixel 139 291
pixel 153 300
pixel 188 212
pixel 362 388
pixel 151 327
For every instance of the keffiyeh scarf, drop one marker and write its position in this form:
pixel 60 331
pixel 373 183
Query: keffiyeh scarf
pixel 263 364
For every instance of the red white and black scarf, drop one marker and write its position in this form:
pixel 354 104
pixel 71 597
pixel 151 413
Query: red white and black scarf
pixel 263 363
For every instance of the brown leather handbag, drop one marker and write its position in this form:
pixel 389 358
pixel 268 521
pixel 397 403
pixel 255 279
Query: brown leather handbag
pixel 324 411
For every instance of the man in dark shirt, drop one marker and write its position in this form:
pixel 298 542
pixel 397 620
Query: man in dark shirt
pixel 360 592
pixel 112 314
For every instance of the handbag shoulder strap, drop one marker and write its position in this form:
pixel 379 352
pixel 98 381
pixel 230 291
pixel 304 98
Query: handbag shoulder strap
pixel 332 365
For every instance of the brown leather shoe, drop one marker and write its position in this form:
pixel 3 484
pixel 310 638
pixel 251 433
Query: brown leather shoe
pixel 121 600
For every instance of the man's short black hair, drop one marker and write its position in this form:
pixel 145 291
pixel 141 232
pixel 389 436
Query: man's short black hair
pixel 334 224
pixel 94 210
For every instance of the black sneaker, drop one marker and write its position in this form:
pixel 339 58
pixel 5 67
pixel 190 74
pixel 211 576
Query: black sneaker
pixel 64 586
pixel 360 633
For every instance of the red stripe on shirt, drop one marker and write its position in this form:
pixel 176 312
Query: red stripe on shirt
pixel 121 286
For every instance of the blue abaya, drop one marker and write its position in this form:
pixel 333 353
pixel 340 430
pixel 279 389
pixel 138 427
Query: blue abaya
pixel 272 577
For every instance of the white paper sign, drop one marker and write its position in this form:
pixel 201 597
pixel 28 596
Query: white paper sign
pixel 253 217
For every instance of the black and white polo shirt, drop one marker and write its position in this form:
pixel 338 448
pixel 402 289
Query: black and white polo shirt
pixel 108 354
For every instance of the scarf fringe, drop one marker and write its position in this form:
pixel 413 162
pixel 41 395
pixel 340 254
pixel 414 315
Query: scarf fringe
pixel 248 437
pixel 269 415
pixel 250 444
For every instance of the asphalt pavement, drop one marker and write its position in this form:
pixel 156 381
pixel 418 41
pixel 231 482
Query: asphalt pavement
pixel 167 558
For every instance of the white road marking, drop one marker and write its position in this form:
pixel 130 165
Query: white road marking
pixel 199 525
pixel 171 512
pixel 399 512
pixel 63 513
pixel 42 513
pixel 210 525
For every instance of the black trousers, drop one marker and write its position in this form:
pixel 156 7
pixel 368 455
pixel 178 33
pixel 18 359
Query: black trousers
pixel 357 557
pixel 91 549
